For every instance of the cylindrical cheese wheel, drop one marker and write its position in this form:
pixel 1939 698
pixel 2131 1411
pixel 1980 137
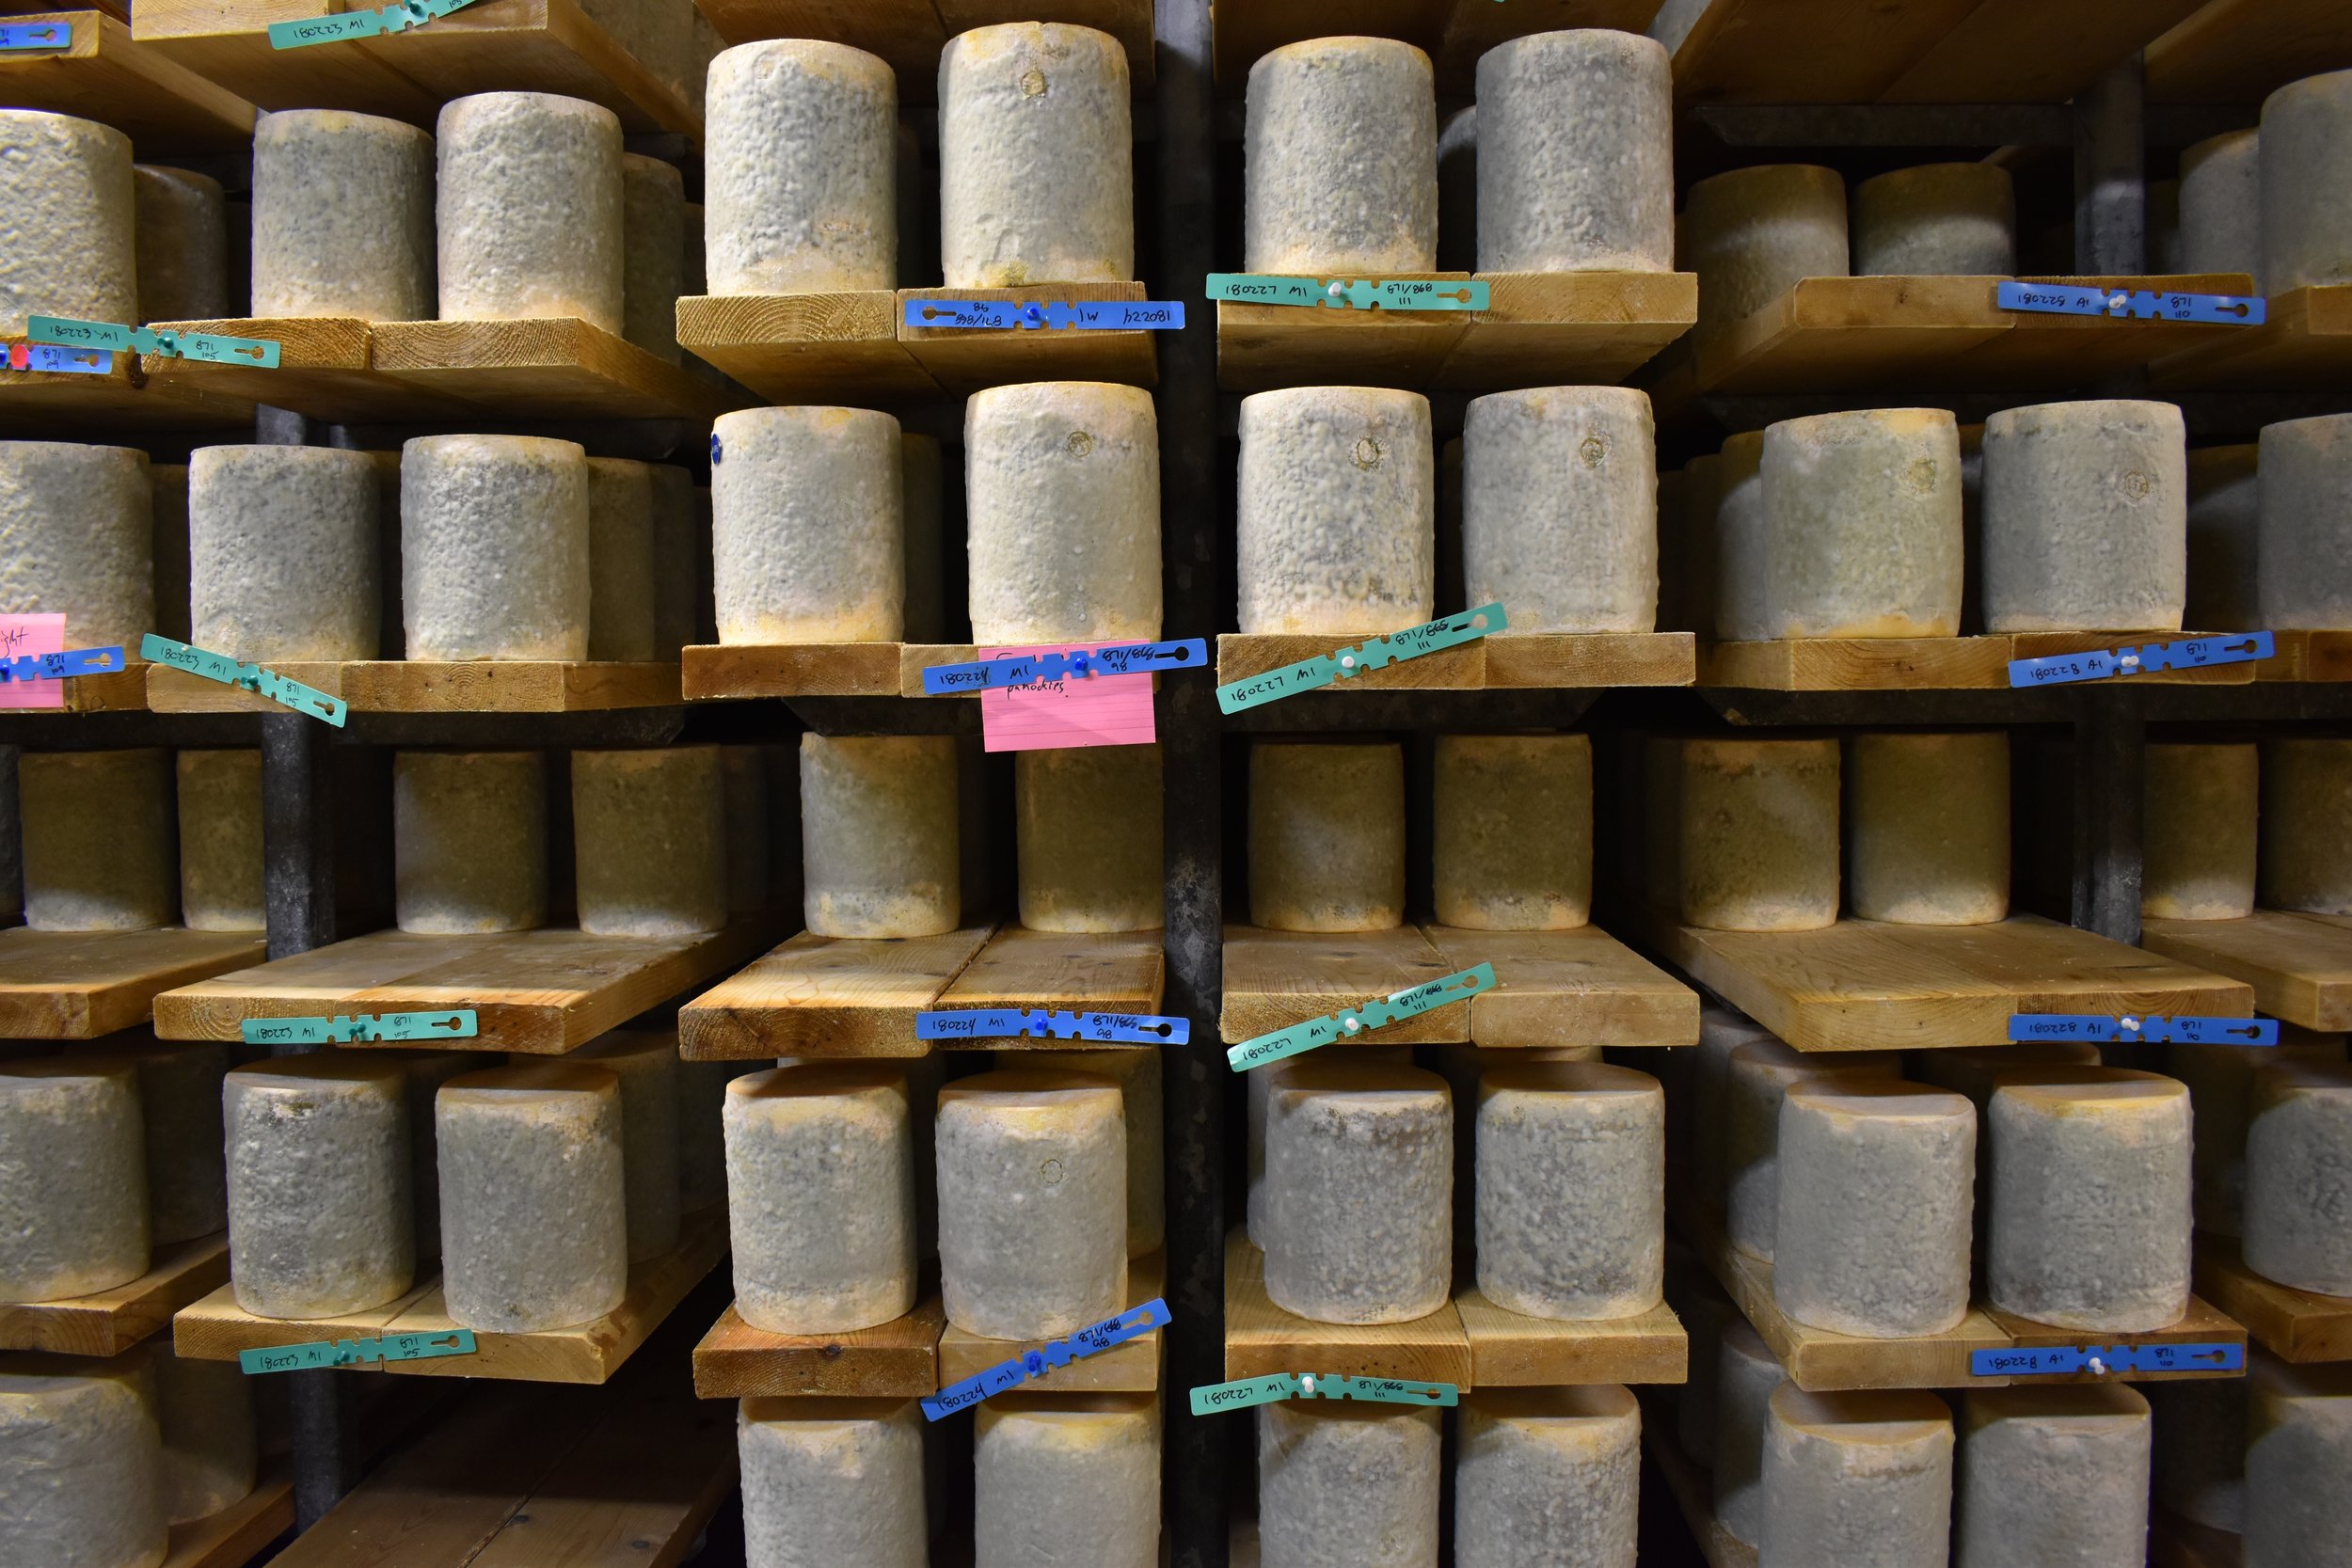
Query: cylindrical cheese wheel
pixel 1138 1075
pixel 2220 1080
pixel 187 1173
pixel 924 485
pixel 2198 840
pixel 1036 157
pixel 535 1233
pixel 342 217
pixel 284 558
pixel 1327 837
pixel 1062 513
pixel 470 840
pixel 1856 1481
pixel 1746 1376
pixel 1759 834
pixel 1576 155
pixel 1032 1202
pixel 2086 517
pixel 427 1070
pixel 2298 1510
pixel 1927 827
pixel 1707 1102
pixel 1872 1229
pixel 1341 148
pixel 805 526
pixel 2199 1460
pixel 2090 1199
pixel 676 544
pixel 204 1410
pixel 66 188
pixel 1085 868
pixel 2303 562
pixel 830 1482
pixel 2221 206
pixel 1548 1478
pixel 1752 234
pixel 529 209
pixel 76 1221
pixel 1560 505
pixel 1948 220
pixel 80 1467
pixel 97 840
pixel 1757 1075
pixel 1261 1080
pixel 1861 518
pixel 1068 1477
pixel 319 1220
pixel 2306 222
pixel 2053 1475
pixel 798 169
pixel 653 253
pixel 183 245
pixel 76 539
pixel 1740 544
pixel 2306 824
pixel 646 1065
pixel 1358 1176
pixel 1570 1190
pixel 621 580
pixel 494 547
pixel 2298 1178
pixel 879 835
pixel 821 1186
pixel 650 827
pixel 1513 837
pixel 2224 532
pixel 1338 512
pixel 1347 1486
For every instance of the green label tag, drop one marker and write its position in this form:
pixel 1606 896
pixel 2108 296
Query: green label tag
pixel 221 350
pixel 354 1353
pixel 1398 293
pixel 458 1024
pixel 267 683
pixel 1307 674
pixel 1277 1386
pixel 1354 1021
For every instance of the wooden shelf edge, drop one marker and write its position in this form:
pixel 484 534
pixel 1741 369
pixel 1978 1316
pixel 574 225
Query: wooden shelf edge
pixel 109 1322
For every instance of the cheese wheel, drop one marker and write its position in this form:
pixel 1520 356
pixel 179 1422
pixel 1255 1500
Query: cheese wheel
pixel 653 253
pixel 1548 1478
pixel 2307 824
pixel 2089 1226
pixel 204 1413
pixel 2303 564
pixel 2298 1510
pixel 701 1148
pixel 2053 1475
pixel 319 1213
pixel 879 835
pixel 650 827
pixel 2298 1178
pixel 1138 1075
pixel 1740 544
pixel 2220 1080
pixel 1759 844
pixel 2306 222
pixel 284 558
pixel 494 547
pixel 1085 867
pixel 527 208
pixel 66 188
pixel 219 796
pixel 167 490
pixel 83 1225
pixel 1707 1104
pixel 1871 1234
pixel 677 544
pixel 1068 1477
pixel 1336 526
pixel 470 840
pixel 798 169
pixel 2224 534
pixel 1571 1206
pixel 1340 159
pixel 2086 517
pixel 1032 1202
pixel 1936 219
pixel 621 580
pixel 2199 844
pixel 1260 1082
pixel 1927 827
pixel 534 1230
pixel 81 1466
pixel 1856 1481
pixel 2200 1458
pixel 1327 837
pixel 806 526
pixel 1359 1175
pixel 1757 1075
pixel 1347 1486
pixel 1576 172
pixel 1560 506
pixel 76 537
pixel 1036 157
pixel 1863 528
pixel 1062 513
pixel 1511 842
pixel 1746 1376
pixel 426 1071
pixel 646 1063
pixel 97 839
pixel 181 244
pixel 2221 206
pixel 1752 235
pixel 820 1181
pixel 187 1171
pixel 829 1481
pixel 342 217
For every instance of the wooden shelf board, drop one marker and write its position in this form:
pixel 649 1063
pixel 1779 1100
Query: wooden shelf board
pixel 1132 1368
pixel 828 996
pixel 961 360
pixel 1260 347
pixel 1508 1350
pixel 1550 660
pixel 120 691
pixel 806 348
pixel 1274 979
pixel 427 685
pixel 228 44
pixel 560 368
pixel 897 1360
pixel 2308 656
pixel 79 985
pixel 1112 972
pixel 2174 1541
pixel 2305 345
pixel 215 1328
pixel 540 992
pixel 108 76
pixel 1865 986
pixel 1578 987
pixel 235 1535
pixel 110 1322
pixel 326 369
pixel 910 34
pixel 125 398
pixel 2239 52
pixel 1262 1338
pixel 2300 969
pixel 1460 668
pixel 791 670
pixel 1978 663
pixel 2291 1324
pixel 1694 1492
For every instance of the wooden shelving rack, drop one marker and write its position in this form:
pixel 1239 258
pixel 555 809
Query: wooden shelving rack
pixel 79 985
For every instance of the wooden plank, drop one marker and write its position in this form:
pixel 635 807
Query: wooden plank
pixel 791 670
pixel 540 992
pixel 2292 1324
pixel 2055 351
pixel 326 369
pixel 1460 668
pixel 1771 51
pixel 68 405
pixel 1568 329
pixel 112 1321
pixel 962 360
pixel 2304 346
pixel 236 1534
pixel 2039 645
pixel 226 42
pixel 1578 987
pixel 428 686
pixel 1261 1337
pixel 1133 1367
pixel 214 1328
pixel 78 985
pixel 2072 45
pixel 1859 665
pixel 1274 979
pixel 806 348
pixel 897 1360
pixel 1694 1493
pixel 2239 52
pixel 1571 661
pixel 636 1492
pixel 108 76
pixel 118 691
pixel 1261 347
pixel 1509 1350
pixel 827 996
pixel 1115 972
pixel 2308 656
pixel 539 46
pixel 2300 969
pixel 2201 1325
pixel 557 367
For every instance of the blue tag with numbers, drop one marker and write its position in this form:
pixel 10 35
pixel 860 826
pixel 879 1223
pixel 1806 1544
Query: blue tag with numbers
pixel 2129 1028
pixel 1008 1375
pixel 1029 315
pixel 1130 659
pixel 2105 1360
pixel 1037 1023
pixel 17 37
pixel 2070 299
pixel 59 359
pixel 2191 653
pixel 62 666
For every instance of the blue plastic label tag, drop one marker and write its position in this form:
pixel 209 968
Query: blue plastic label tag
pixel 2105 1360
pixel 59 359
pixel 1005 1022
pixel 1339 294
pixel 353 1352
pixel 62 666
pixel 1008 1375
pixel 221 667
pixel 456 1024
pixel 22 36
pixel 149 340
pixel 1354 1023
pixel 396 18
pixel 1126 658
pixel 1324 670
pixel 1210 1398
pixel 1112 315
pixel 2130 1028
pixel 2192 653
pixel 2068 299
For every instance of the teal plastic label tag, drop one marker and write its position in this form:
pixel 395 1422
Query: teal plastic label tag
pixel 1341 664
pixel 148 339
pixel 1354 1023
pixel 354 1353
pixel 397 18
pixel 1338 294
pixel 221 667
pixel 1277 1386
pixel 456 1024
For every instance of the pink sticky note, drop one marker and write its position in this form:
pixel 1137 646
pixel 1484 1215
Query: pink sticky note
pixel 21 635
pixel 1080 710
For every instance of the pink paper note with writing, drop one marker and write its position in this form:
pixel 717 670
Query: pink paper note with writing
pixel 21 635
pixel 1080 710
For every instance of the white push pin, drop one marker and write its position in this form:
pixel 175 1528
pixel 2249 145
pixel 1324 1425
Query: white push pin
pixel 1307 1383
